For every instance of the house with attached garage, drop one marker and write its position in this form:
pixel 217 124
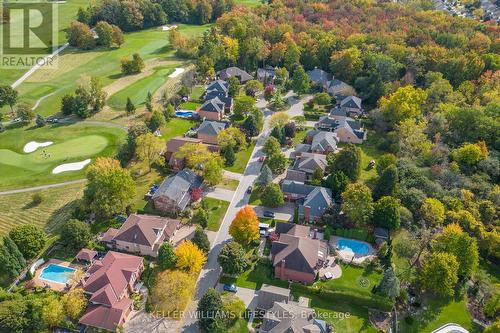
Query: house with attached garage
pixel 174 194
pixel 266 74
pixel 345 128
pixel 219 89
pixel 212 109
pixel 351 105
pixel 336 87
pixel 236 72
pixel 311 201
pixel 305 165
pixel 209 130
pixel 295 255
pixel 141 234
pixel 318 77
pixel 322 142
pixel 173 146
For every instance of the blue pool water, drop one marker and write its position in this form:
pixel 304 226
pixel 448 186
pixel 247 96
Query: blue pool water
pixel 355 246
pixel 184 113
pixel 57 273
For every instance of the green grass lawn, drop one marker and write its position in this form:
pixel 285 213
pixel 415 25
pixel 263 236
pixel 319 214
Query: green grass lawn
pixel 239 326
pixel 189 106
pixel 138 91
pixel 216 211
pixel 176 127
pixel 255 197
pixel 228 184
pixel 300 135
pixel 71 143
pixel 369 151
pixel 357 279
pixel 261 272
pixel 242 158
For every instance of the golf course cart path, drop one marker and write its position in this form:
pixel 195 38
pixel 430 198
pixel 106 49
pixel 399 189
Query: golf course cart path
pixel 42 187
pixel 40 100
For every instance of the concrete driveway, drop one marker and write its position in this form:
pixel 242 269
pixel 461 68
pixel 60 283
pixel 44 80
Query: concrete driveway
pixel 248 296
pixel 284 213
pixel 220 193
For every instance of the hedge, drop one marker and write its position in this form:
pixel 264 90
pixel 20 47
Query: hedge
pixel 371 301
pixel 358 234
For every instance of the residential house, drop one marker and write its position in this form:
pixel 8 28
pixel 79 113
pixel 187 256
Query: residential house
pixel 109 283
pixel 86 255
pixel 295 256
pixel 336 87
pixel 268 294
pixel 292 317
pixel 305 165
pixel 322 142
pixel 219 89
pixel 336 114
pixel 173 146
pixel 351 105
pixel 209 130
pixel 142 234
pixel 346 129
pixel 266 75
pixel 311 201
pixel 236 72
pixel 318 77
pixel 212 109
pixel 174 194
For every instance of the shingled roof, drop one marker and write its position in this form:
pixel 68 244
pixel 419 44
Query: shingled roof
pixel 234 72
pixel 324 141
pixel 211 127
pixel 177 187
pixel 213 105
pixel 289 317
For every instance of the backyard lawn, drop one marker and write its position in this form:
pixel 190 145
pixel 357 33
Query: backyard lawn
pixel 242 158
pixel 357 279
pixel 261 272
pixel 189 106
pixel 71 143
pixel 216 211
pixel 176 127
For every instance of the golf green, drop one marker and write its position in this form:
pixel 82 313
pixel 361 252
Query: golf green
pixel 71 143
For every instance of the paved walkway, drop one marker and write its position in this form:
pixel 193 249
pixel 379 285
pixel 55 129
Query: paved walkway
pixel 232 175
pixel 220 193
pixel 42 187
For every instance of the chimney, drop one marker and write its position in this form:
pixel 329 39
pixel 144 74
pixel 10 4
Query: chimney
pixel 282 270
pixel 307 213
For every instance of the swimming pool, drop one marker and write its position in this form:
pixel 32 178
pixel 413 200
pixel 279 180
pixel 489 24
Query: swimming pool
pixel 184 113
pixel 353 245
pixel 57 273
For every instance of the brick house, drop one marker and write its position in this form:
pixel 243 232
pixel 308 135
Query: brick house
pixel 174 194
pixel 305 165
pixel 311 201
pixel 173 146
pixel 212 109
pixel 209 130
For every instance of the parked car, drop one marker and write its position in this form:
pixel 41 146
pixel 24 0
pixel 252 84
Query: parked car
pixel 262 159
pixel 230 287
pixel 268 213
pixel 249 189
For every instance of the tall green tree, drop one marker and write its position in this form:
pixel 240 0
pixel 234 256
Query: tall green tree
pixel 200 239
pixel 337 182
pixel 265 176
pixel 439 273
pixel 388 183
pixel 358 203
pixel 8 96
pixel 104 33
pixel 386 213
pixel 390 284
pixel 130 107
pixel 75 234
pixel 348 160
pixel 272 196
pixel 300 81
pixel 166 256
pixel 29 238
pixel 232 259
pixel 210 307
pixel 234 86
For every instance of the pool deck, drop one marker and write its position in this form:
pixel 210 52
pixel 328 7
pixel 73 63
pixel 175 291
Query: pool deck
pixel 349 256
pixel 37 281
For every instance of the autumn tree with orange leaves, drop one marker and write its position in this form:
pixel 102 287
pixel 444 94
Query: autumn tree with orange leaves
pixel 245 226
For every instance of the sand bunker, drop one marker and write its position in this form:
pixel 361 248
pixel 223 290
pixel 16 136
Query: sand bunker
pixel 33 145
pixel 71 166
pixel 177 72
pixel 167 28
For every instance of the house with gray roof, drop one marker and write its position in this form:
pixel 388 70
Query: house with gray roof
pixel 266 75
pixel 311 201
pixel 351 105
pixel 288 317
pixel 220 86
pixel 212 109
pixel 236 72
pixel 323 142
pixel 305 165
pixel 174 194
pixel 219 89
pixel 336 114
pixel 345 128
pixel 209 130
pixel 295 256
pixel 318 77
pixel 269 294
pixel 336 87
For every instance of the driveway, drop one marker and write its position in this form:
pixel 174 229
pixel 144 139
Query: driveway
pixel 284 213
pixel 220 193
pixel 142 321
pixel 232 175
pixel 248 296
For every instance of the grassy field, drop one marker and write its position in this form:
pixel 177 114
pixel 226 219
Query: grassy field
pixel 72 143
pixel 50 214
pixel 242 158
pixel 216 211
pixel 228 184
pixel 138 90
pixel 357 279
pixel 176 127
pixel 189 106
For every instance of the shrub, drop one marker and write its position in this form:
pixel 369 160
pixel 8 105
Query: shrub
pixel 37 198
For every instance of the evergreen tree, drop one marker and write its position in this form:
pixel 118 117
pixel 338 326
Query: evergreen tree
pixel 166 256
pixel 389 285
pixel 250 126
pixel 337 182
pixel 210 309
pixel 130 107
pixel 39 120
pixel 387 184
pixel 265 177
pixel 300 81
pixel 348 160
pixel 229 155
pixel 201 240
pixel 11 259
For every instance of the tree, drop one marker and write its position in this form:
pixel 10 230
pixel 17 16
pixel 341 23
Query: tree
pixel 279 119
pixel 29 238
pixel 229 156
pixel 389 285
pixel 110 188
pixel 129 107
pixel 272 146
pixel 467 156
pixel 118 37
pixel 189 257
pixel 243 105
pixel 170 301
pixel 234 86
pixel 40 120
pixel 8 96
pixel 337 182
pixel 25 112
pixel 386 213
pixel 231 136
pixel 317 176
pixel 272 196
pixel 432 211
pixel 232 259
pixel 250 125
pixel 388 183
pixel 200 239
pixel 75 234
pixel 357 203
pixel 200 217
pixel 74 303
pixel 300 81
pixel 245 226
pixel 265 176
pixel 210 309
pixel 439 273
pixel 253 87
pixel 277 163
pixel 348 160
pixel 14 315
pixel 384 161
pixel 290 129
pixel 346 64
pixel 234 307
pixel 412 139
pixel 104 33
pixel 79 35
pixel 493 328
pixel 157 120
pixel 166 256
pixel 456 242
pixel 149 148
pixel 322 98
pixel 68 104
pixel 11 259
pixel 213 170
pixel 132 66
pixel 404 103
pixel 53 312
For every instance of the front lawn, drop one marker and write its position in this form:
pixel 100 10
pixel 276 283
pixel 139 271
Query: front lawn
pixel 216 211
pixel 242 158
pixel 260 272
pixel 176 127
pixel 300 135
pixel 228 184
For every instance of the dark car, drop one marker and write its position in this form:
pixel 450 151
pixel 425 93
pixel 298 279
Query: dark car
pixel 268 213
pixel 249 189
pixel 230 287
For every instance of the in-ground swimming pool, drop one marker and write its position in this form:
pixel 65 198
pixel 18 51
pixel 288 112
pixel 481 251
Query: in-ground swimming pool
pixel 353 245
pixel 57 273
pixel 184 113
